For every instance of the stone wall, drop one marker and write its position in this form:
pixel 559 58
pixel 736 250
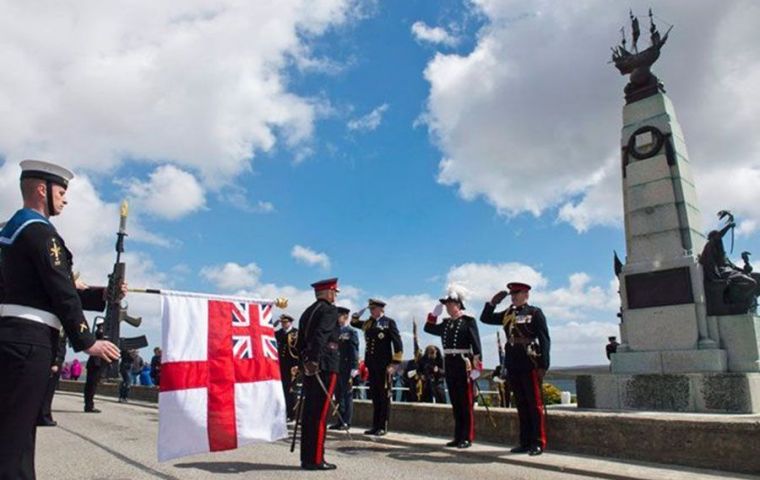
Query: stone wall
pixel 727 442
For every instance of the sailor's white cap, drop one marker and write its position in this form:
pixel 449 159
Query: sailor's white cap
pixel 46 171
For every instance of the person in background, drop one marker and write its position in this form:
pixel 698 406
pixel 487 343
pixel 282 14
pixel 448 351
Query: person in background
pixel 137 367
pixel 611 347
pixel 125 370
pixel 431 369
pixel 76 369
pixel 155 367
pixel 348 346
pixel 66 371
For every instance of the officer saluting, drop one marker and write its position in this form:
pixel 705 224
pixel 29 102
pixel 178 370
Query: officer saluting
pixel 382 355
pixel 39 298
pixel 526 358
pixel 461 354
pixel 286 338
pixel 318 347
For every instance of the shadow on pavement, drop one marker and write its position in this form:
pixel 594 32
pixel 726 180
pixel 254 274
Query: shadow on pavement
pixel 235 467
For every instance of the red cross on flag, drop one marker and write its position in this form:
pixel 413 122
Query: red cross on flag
pixel 220 375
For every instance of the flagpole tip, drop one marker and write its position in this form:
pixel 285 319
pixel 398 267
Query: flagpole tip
pixel 281 302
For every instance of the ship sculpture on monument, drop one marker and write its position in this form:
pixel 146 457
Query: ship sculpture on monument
pixel 689 333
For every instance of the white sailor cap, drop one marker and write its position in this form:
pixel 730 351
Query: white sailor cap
pixel 46 171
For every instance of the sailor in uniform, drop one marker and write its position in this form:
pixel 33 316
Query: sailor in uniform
pixel 286 338
pixel 382 356
pixel 461 356
pixel 39 298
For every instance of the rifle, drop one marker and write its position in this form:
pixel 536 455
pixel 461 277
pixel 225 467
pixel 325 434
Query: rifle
pixel 115 314
pixel 418 387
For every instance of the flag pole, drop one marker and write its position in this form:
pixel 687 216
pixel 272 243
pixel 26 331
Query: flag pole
pixel 279 302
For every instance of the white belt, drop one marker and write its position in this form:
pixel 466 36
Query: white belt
pixel 30 313
pixel 456 351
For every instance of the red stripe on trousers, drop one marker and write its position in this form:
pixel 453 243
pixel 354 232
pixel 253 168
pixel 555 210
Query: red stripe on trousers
pixel 540 407
pixel 319 454
pixel 470 407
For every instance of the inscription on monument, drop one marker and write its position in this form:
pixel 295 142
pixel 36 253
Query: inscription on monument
pixel 656 289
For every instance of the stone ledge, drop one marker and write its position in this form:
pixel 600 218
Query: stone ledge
pixel 721 442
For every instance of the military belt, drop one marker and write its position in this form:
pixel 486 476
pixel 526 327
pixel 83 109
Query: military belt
pixel 520 341
pixel 456 351
pixel 30 313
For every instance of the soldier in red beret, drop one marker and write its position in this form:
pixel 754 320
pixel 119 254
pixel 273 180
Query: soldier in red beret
pixel 526 358
pixel 317 346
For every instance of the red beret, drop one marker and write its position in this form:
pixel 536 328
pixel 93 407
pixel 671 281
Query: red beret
pixel 329 284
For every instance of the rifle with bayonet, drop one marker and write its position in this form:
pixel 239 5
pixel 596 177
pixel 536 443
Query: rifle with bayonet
pixel 115 312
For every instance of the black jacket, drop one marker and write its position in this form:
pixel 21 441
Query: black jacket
pixel 382 339
pixel 286 348
pixel 318 336
pixel 523 326
pixel 461 334
pixel 37 272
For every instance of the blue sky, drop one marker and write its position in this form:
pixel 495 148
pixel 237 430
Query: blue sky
pixel 401 146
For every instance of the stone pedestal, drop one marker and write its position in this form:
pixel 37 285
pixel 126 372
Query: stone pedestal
pixel 672 355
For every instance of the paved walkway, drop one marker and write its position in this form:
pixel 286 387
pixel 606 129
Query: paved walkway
pixel 120 443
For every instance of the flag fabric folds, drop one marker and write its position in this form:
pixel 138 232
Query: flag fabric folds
pixel 220 377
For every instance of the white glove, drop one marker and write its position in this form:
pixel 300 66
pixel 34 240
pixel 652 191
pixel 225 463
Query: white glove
pixel 474 374
pixel 438 310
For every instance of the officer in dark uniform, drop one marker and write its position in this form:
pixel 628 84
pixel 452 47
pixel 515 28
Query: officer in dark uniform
pixel 383 353
pixel 39 299
pixel 526 358
pixel 45 418
pixel 286 349
pixel 461 355
pixel 318 350
pixel 94 372
pixel 348 344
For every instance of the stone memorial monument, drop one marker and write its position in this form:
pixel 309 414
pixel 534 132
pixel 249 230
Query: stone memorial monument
pixel 678 352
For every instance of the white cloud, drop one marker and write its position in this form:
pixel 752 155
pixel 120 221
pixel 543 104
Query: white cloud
pixel 170 193
pixel 370 121
pixel 232 277
pixel 310 257
pixel 541 130
pixel 438 35
pixel 203 86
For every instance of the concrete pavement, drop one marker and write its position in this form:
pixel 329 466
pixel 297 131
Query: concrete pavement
pixel 120 443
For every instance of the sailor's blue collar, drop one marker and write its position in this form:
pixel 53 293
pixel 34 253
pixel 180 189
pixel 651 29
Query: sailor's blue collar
pixel 18 222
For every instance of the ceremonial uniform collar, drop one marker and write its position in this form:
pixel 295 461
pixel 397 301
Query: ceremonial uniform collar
pixel 18 222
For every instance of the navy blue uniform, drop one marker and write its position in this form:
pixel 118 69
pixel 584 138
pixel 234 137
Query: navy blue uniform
pixel 383 347
pixel 348 345
pixel 39 297
pixel 526 350
pixel 461 342
pixel 286 350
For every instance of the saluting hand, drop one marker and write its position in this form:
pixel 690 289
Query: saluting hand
pixel 105 350
pixel 499 297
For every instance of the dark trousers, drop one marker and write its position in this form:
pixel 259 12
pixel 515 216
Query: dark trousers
pixel 23 381
pixel 530 408
pixel 381 402
pixel 91 384
pixel 461 395
pixel 289 390
pixel 126 382
pixel 46 410
pixel 316 406
pixel 344 395
pixel 433 390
